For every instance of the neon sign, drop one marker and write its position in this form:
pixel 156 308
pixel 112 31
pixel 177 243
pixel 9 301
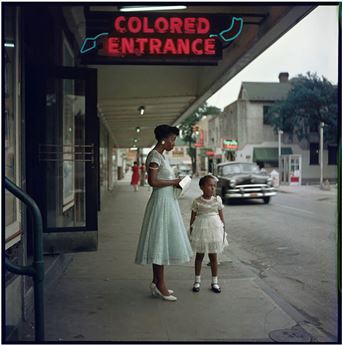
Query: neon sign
pixel 230 144
pixel 153 38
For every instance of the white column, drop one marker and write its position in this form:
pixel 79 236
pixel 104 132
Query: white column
pixel 321 152
pixel 280 132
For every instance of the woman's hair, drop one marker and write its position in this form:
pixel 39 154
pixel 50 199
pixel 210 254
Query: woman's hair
pixel 135 162
pixel 164 131
pixel 205 178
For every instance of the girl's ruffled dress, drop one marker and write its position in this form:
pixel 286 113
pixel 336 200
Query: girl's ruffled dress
pixel 207 229
pixel 163 239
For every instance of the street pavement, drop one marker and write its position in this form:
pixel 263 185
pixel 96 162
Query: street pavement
pixel 104 295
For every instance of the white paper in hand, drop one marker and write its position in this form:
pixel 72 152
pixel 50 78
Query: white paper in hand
pixel 185 183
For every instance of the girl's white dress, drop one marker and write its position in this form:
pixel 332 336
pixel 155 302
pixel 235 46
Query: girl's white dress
pixel 208 229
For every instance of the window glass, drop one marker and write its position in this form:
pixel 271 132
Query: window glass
pixel 314 154
pixel 68 56
pixel 332 155
pixel 10 123
pixel 240 168
pixel 266 109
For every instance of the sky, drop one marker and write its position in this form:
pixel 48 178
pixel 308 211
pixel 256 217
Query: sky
pixel 311 45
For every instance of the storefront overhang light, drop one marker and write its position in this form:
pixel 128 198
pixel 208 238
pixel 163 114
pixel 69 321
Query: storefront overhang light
pixel 138 129
pixel 141 110
pixel 151 8
pixel 9 45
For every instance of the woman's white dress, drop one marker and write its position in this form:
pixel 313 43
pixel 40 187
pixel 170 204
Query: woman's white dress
pixel 163 239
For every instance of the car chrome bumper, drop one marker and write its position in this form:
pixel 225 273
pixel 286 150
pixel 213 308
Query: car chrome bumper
pixel 250 191
pixel 249 195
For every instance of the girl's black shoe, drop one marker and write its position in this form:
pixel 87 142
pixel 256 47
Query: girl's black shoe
pixel 215 288
pixel 196 287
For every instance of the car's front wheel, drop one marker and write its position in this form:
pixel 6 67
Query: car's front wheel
pixel 266 200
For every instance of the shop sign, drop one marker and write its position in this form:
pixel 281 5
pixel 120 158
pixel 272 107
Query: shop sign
pixel 230 144
pixel 200 139
pixel 157 38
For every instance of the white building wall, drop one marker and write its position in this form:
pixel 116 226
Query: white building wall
pixel 254 123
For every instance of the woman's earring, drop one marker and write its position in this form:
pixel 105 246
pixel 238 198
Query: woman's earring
pixel 163 142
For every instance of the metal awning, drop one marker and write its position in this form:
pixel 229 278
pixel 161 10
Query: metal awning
pixel 270 154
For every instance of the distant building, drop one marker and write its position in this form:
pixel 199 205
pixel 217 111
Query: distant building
pixel 179 155
pixel 245 121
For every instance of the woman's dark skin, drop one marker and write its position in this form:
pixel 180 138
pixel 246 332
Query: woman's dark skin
pixel 166 144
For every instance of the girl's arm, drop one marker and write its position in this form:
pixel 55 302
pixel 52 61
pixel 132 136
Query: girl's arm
pixel 193 215
pixel 221 215
pixel 155 182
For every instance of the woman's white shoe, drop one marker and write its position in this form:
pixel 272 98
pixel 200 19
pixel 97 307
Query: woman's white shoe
pixel 153 287
pixel 169 298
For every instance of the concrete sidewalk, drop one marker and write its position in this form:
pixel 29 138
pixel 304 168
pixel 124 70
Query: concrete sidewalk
pixel 307 189
pixel 104 295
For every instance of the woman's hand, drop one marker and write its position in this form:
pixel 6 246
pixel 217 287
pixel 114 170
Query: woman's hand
pixel 176 182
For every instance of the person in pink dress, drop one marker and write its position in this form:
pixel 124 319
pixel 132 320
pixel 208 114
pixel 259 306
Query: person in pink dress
pixel 135 178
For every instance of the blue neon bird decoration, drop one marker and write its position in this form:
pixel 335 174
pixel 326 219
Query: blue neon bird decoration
pixel 92 40
pixel 221 34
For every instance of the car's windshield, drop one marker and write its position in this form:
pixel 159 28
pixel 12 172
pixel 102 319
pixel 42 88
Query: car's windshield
pixel 240 168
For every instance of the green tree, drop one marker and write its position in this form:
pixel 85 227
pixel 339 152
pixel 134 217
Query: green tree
pixel 310 101
pixel 187 129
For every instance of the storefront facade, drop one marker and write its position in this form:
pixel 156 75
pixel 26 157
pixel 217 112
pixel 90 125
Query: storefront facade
pixel 56 147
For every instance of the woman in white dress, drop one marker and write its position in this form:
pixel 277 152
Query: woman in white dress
pixel 163 239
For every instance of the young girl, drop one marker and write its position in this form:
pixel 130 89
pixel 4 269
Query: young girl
pixel 207 230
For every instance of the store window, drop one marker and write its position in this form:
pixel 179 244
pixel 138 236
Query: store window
pixel 68 55
pixel 103 157
pixel 314 154
pixel 332 154
pixel 266 118
pixel 11 123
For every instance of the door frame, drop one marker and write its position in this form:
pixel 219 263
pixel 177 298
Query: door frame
pixel 80 238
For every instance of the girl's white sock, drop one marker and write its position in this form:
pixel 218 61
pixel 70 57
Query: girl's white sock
pixel 197 279
pixel 214 280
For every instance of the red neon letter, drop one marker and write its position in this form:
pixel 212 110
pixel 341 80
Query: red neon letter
pixel 195 49
pixel 113 46
pixel 189 25
pixel 183 47
pixel 117 22
pixel 146 28
pixel 169 47
pixel 210 46
pixel 155 46
pixel 141 42
pixel 161 25
pixel 175 25
pixel 127 45
pixel 134 25
pixel 203 26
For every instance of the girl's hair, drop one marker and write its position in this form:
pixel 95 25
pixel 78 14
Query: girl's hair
pixel 164 131
pixel 205 178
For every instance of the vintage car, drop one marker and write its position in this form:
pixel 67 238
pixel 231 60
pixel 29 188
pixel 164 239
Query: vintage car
pixel 243 181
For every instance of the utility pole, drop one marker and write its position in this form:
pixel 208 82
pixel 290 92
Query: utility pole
pixel 322 124
pixel 280 132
